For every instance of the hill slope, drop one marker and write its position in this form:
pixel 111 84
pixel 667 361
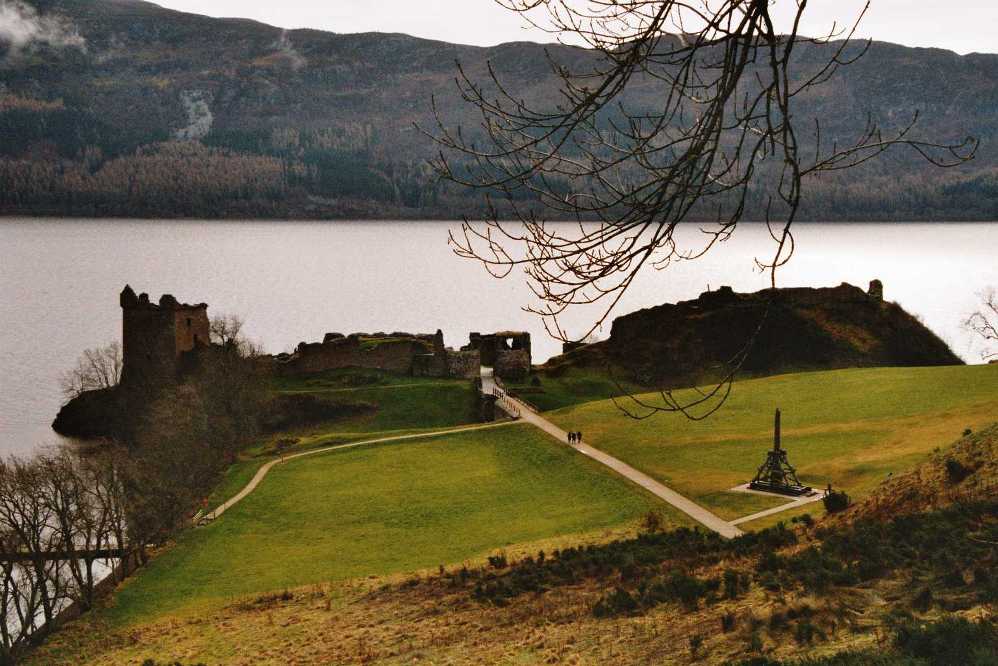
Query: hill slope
pixel 308 123
pixel 694 342
pixel 880 589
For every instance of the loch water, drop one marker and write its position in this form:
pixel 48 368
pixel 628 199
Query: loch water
pixel 294 281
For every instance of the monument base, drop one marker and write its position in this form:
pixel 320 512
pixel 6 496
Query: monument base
pixel 781 489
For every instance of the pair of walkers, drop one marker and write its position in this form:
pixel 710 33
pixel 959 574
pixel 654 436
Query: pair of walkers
pixel 575 438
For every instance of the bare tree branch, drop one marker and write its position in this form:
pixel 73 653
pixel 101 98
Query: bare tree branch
pixel 684 110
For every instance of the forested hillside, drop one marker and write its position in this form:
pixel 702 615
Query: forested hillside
pixel 120 107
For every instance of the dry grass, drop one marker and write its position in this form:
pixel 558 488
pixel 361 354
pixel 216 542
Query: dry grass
pixel 386 621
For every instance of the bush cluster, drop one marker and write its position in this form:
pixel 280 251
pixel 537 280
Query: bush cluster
pixel 942 545
pixel 635 563
pixel 950 641
pixel 835 501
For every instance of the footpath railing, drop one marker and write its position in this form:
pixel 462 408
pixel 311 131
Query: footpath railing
pixel 506 403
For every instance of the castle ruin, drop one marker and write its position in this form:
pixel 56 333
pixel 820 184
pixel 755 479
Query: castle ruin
pixel 156 337
pixel 416 354
pixel 507 352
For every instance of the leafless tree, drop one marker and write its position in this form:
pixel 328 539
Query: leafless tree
pixel 98 368
pixel 59 515
pixel 107 470
pixel 226 330
pixel 28 523
pixel 984 323
pixel 721 136
pixel 87 518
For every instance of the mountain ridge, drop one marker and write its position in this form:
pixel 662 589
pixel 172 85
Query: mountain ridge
pixel 308 123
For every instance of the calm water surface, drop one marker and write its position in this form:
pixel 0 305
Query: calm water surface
pixel 60 279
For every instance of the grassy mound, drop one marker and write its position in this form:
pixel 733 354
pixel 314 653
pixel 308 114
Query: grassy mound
pixel 965 471
pixel 384 509
pixel 848 427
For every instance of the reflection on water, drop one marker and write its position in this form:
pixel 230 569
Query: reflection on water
pixel 60 279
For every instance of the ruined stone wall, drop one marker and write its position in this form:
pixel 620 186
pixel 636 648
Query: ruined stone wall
pixel 429 365
pixel 418 355
pixel 513 364
pixel 356 351
pixel 507 352
pixel 463 364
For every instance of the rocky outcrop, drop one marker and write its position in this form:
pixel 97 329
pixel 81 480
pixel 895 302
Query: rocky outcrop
pixel 778 330
pixel 91 415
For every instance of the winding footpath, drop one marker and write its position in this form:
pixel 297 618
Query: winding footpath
pixel 684 504
pixel 265 469
pixel 521 411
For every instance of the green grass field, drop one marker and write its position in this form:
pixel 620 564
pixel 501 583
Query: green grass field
pixel 404 405
pixel 383 509
pixel 403 402
pixel 849 427
pixel 571 386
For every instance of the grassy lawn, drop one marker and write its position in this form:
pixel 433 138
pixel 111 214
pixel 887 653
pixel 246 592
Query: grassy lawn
pixel 345 379
pixel 849 427
pixel 403 402
pixel 571 386
pixel 384 509
pixel 404 405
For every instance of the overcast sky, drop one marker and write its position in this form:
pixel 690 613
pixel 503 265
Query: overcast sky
pixel 963 26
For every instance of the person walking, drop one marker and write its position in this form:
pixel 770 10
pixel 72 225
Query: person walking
pixel 571 438
pixel 578 437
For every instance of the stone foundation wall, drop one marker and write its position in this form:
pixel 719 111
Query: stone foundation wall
pixel 513 364
pixel 355 351
pixel 464 364
pixel 402 353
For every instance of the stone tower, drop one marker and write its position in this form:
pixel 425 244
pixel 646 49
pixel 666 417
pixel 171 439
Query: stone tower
pixel 156 336
pixel 876 290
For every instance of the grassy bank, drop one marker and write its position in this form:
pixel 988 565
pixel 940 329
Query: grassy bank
pixel 848 427
pixel 384 509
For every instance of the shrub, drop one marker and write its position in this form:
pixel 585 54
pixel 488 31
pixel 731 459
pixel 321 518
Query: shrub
pixel 696 642
pixel 535 381
pixel 923 600
pixel 806 520
pixel 806 632
pixel 686 589
pixel 728 622
pixel 967 432
pixel 956 471
pixel 777 621
pixel 952 640
pixel 953 578
pixel 734 583
pixel 835 501
pixel 618 602
pixel 652 522
pixel 498 561
pixel 769 581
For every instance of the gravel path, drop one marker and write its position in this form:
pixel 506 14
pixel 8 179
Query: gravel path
pixel 684 504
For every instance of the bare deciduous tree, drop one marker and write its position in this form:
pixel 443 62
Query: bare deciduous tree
pixel 984 323
pixel 719 135
pixel 226 330
pixel 98 368
pixel 28 523
pixel 60 514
